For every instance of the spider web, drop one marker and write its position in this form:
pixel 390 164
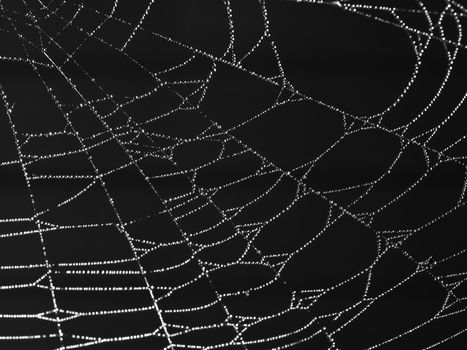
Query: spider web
pixel 158 208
